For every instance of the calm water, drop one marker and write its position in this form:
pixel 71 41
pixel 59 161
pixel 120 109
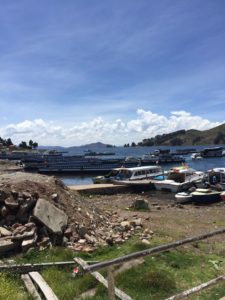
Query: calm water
pixel 200 165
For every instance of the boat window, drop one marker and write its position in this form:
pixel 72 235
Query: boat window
pixel 177 177
pixel 112 173
pixel 125 174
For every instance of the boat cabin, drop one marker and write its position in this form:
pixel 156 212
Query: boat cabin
pixel 138 173
pixel 216 176
pixel 182 174
pixel 135 173
pixel 212 152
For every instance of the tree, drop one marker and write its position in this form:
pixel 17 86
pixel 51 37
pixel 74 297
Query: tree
pixel 133 144
pixel 35 145
pixel 23 145
pixel 31 143
pixel 9 142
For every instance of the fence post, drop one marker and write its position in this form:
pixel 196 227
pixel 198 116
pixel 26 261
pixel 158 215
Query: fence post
pixel 111 284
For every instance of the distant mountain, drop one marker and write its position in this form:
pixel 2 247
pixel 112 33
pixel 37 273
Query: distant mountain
pixel 212 136
pixel 92 146
pixel 96 145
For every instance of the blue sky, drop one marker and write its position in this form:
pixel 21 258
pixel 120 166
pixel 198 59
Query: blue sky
pixel 74 71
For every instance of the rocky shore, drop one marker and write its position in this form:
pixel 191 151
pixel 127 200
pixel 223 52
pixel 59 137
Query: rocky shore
pixel 40 211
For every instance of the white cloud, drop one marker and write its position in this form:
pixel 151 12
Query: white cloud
pixel 118 132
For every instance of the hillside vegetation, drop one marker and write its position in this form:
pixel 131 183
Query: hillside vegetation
pixel 212 136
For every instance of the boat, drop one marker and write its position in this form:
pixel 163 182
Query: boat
pixel 222 196
pixel 179 179
pixel 216 177
pixel 94 153
pixel 205 196
pixel 75 164
pixel 123 175
pixel 106 178
pixel 196 156
pixel 161 158
pixel 212 152
pixel 183 197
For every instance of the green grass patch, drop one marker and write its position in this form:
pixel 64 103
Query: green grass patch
pixel 158 277
pixel 11 288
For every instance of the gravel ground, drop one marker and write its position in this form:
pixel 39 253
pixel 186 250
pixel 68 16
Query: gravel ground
pixel 166 217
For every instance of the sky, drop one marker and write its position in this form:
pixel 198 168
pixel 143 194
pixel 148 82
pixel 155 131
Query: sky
pixel 81 71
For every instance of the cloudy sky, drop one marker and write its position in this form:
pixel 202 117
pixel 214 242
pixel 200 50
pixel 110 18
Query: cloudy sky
pixel 79 71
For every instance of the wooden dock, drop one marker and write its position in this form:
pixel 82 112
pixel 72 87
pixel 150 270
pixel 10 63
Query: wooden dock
pixel 106 188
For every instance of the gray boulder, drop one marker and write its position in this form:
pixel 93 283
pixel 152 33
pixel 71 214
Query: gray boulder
pixel 50 216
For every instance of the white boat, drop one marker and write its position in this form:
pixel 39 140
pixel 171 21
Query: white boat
pixel 183 197
pixel 222 196
pixel 130 174
pixel 179 179
pixel 206 196
pixel 196 156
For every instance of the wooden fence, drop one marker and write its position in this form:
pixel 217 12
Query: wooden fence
pixel 32 269
pixel 112 291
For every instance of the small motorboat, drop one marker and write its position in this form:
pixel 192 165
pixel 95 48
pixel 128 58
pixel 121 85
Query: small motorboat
pixel 183 197
pixel 179 179
pixel 196 156
pixel 205 196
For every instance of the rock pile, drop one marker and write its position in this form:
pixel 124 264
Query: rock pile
pixel 38 211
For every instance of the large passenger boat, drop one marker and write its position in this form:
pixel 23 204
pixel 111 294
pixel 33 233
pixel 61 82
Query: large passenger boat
pixel 212 152
pixel 76 164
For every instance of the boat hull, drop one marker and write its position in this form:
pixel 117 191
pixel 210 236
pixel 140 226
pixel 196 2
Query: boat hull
pixel 171 186
pixel 206 198
pixel 183 197
pixel 222 196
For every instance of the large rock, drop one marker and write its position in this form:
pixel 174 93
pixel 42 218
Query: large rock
pixel 11 203
pixel 140 204
pixel 5 232
pixel 49 215
pixel 7 245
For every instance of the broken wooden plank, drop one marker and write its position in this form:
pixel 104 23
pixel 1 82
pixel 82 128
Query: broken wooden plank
pixel 30 287
pixel 111 283
pixel 43 286
pixel 151 251
pixel 120 294
pixel 197 288
pixel 26 268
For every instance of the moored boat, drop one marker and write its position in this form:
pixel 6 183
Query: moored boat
pixel 212 152
pixel 196 156
pixel 216 176
pixel 179 179
pixel 222 196
pixel 205 196
pixel 119 175
pixel 183 197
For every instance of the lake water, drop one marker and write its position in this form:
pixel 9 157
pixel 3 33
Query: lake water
pixel 200 165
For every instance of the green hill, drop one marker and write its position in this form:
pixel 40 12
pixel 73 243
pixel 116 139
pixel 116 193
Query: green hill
pixel 212 136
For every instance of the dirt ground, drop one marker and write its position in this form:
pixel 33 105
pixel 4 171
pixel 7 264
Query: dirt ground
pixel 166 218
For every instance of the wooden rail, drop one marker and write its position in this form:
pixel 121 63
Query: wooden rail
pixel 150 251
pixel 26 268
pixel 198 288
pixel 109 284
